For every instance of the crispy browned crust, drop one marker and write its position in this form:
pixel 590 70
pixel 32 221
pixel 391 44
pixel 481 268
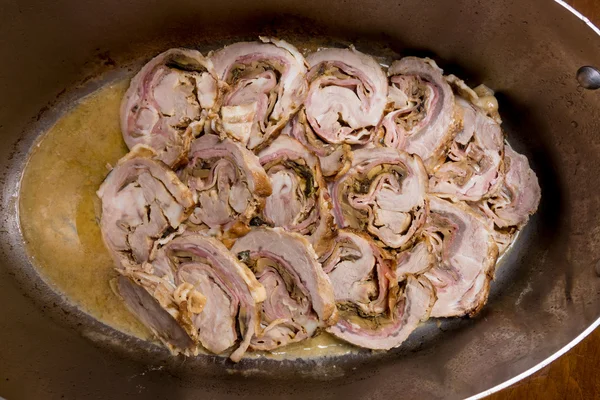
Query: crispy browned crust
pixel 238 230
pixel 346 161
pixel 491 271
pixel 325 239
pixel 262 184
pixel 433 162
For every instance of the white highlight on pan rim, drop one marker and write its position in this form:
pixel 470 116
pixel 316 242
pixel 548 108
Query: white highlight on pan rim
pixel 590 328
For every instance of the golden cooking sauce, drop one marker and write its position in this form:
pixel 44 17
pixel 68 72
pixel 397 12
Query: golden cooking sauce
pixel 59 213
pixel 59 206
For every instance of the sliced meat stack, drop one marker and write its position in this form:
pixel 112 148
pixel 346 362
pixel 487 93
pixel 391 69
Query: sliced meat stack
pixel 423 117
pixel 268 199
pixel 463 245
pixel 202 289
pixel 142 199
pixel 475 167
pixel 516 200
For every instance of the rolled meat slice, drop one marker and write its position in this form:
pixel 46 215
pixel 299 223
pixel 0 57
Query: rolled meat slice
pixel 519 195
pixel 300 201
pixel 169 102
pixel 375 312
pixel 423 118
pixel 382 194
pixel 474 168
pixel 142 199
pixel 228 183
pixel 267 86
pixel 299 295
pixel 516 200
pixel 345 102
pixel 346 97
pixel 466 255
pixel 211 295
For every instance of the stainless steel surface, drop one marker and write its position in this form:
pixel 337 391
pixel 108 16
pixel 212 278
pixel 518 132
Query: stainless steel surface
pixel 546 293
pixel 589 77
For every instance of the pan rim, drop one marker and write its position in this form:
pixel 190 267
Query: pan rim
pixel 539 365
pixel 577 336
pixel 563 350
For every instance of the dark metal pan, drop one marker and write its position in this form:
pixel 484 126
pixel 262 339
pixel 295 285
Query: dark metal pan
pixel 547 293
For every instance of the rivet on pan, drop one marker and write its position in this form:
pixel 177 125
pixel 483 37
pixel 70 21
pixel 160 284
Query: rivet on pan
pixel 589 77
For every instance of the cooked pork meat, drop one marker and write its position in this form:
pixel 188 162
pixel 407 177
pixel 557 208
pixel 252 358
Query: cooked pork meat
pixel 519 195
pixel 267 86
pixel 300 201
pixel 149 311
pixel 416 297
pixel 299 295
pixel 335 159
pixel 347 95
pixel 201 285
pixel 423 119
pixel 352 202
pixel 141 200
pixel 360 272
pixel 474 167
pixel 466 253
pixel 383 194
pixel 375 312
pixel 345 102
pixel 417 260
pixel 517 198
pixel 168 103
pixel 228 183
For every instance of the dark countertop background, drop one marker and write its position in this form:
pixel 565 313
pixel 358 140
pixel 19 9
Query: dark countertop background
pixel 575 375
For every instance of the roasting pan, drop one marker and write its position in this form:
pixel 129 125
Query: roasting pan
pixel 546 296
